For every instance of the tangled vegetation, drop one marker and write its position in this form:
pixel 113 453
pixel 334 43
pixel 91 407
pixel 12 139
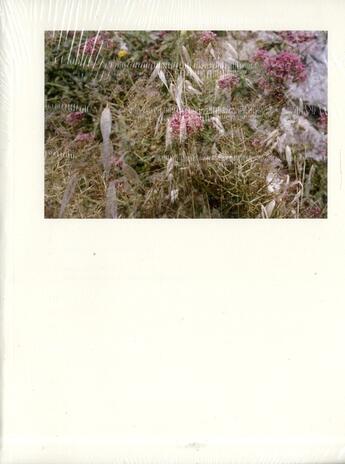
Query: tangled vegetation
pixel 182 125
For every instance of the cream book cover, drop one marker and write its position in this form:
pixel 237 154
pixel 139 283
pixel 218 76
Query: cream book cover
pixel 172 232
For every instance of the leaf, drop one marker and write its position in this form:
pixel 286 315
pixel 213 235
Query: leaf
pixel 106 123
pixel 270 207
pixel 193 75
pixel 185 54
pixel 218 125
pixel 159 72
pixel 70 188
pixel 158 123
pixel 155 72
pixel 107 153
pixel 111 201
pixel 168 136
pixel 107 148
pixel 288 156
pixel 183 128
pixel 232 50
pixel 212 53
pixel 191 89
pixel 170 168
pixel 130 173
pixel 308 183
pixel 178 92
pixel 174 195
pixel 161 76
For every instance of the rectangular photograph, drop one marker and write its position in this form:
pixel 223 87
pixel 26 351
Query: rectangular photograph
pixel 186 124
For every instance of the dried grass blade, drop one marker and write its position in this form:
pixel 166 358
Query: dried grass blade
pixel 107 153
pixel 185 55
pixel 232 50
pixel 111 201
pixel 168 135
pixel 193 75
pixel 288 155
pixel 107 149
pixel 162 77
pixel 155 72
pixel 70 188
pixel 131 174
pixel 178 92
pixel 106 123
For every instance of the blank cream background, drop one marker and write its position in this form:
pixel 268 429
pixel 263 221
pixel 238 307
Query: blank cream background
pixel 192 341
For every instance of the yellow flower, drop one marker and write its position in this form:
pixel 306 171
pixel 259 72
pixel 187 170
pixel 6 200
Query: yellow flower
pixel 122 53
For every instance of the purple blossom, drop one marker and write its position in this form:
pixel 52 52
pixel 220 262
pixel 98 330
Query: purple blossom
pixel 228 81
pixel 91 44
pixel 189 119
pixel 283 66
pixel 84 137
pixel 261 55
pixel 286 66
pixel 94 43
pixel 314 211
pixel 297 37
pixel 256 142
pixel 74 117
pixel 207 37
pixel 323 121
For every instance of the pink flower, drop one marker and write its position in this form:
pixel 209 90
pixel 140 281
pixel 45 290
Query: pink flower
pixel 261 55
pixel 283 66
pixel 188 120
pixel 84 137
pixel 265 86
pixel 207 37
pixel 314 211
pixel 256 142
pixel 228 81
pixel 323 120
pixel 286 66
pixel 117 161
pixel 75 117
pixel 93 43
pixel 295 37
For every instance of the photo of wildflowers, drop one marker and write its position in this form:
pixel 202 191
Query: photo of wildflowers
pixel 186 124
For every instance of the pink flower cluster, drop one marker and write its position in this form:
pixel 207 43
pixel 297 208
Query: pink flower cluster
pixel 74 117
pixel 261 55
pixel 91 44
pixel 323 120
pixel 283 66
pixel 189 120
pixel 297 37
pixel 256 142
pixel 94 43
pixel 207 37
pixel 84 137
pixel 228 81
pixel 161 34
pixel 314 211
